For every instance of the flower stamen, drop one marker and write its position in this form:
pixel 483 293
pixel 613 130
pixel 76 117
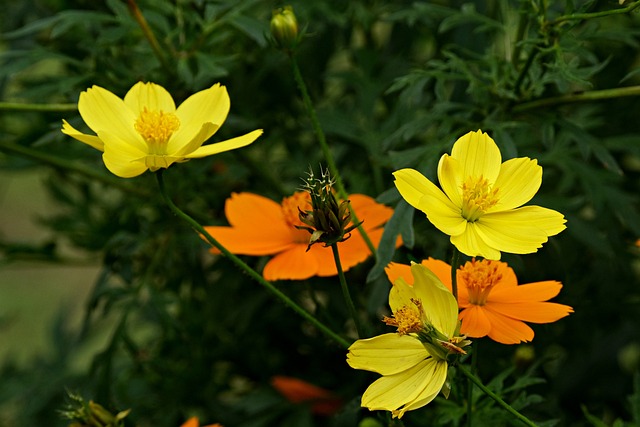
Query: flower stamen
pixel 477 197
pixel 156 127
pixel 479 277
pixel 407 319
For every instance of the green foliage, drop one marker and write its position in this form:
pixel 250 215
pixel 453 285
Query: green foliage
pixel 395 84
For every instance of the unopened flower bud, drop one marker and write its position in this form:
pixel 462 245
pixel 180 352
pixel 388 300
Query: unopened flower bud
pixel 284 28
pixel 328 221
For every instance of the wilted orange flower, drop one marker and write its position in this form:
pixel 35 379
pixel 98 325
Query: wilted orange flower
pixel 295 390
pixel 260 226
pixel 492 302
pixel 193 422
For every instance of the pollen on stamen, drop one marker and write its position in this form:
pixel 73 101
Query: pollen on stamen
pixel 406 319
pixel 479 277
pixel 155 126
pixel 477 197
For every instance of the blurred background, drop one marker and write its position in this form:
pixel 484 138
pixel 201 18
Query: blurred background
pixel 104 293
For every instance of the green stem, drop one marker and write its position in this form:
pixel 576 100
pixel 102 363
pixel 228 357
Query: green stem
pixel 583 16
pixel 579 97
pixel 62 163
pixel 342 193
pixel 244 267
pixel 474 362
pixel 345 291
pixel 495 397
pixel 455 261
pixel 148 33
pixel 56 108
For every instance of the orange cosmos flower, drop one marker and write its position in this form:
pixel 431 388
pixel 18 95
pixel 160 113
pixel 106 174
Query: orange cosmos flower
pixel 260 226
pixel 193 422
pixel 295 390
pixel 491 301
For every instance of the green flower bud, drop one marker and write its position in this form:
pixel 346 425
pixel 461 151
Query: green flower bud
pixel 284 28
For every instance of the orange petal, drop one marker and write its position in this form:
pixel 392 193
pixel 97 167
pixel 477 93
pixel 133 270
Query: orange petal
pixel 191 422
pixel 535 312
pixel 292 264
pixel 539 291
pixel 506 330
pixel 297 390
pixel 252 211
pixel 368 210
pixel 396 270
pixel 440 269
pixel 258 241
pixel 475 323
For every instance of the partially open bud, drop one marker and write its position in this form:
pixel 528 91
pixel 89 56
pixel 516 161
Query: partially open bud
pixel 284 28
pixel 92 414
pixel 328 221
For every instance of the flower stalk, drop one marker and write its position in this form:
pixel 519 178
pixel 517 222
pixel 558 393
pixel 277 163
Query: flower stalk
pixel 244 267
pixel 475 380
pixel 345 292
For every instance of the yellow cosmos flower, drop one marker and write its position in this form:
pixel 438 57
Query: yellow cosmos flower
pixel 479 204
pixel 412 361
pixel 145 130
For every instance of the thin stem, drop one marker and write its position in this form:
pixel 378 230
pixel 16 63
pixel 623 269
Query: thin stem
pixel 579 97
pixel 325 148
pixel 584 16
pixel 148 33
pixel 62 163
pixel 455 261
pixel 474 363
pixel 245 268
pixel 345 291
pixel 55 108
pixel 495 397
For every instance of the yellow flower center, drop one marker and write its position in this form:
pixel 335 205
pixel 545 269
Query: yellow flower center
pixel 477 197
pixel 479 277
pixel 156 127
pixel 407 319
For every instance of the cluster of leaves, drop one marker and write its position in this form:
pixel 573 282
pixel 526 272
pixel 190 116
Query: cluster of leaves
pixel 395 83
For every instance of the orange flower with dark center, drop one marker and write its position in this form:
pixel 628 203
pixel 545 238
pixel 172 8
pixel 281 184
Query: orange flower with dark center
pixel 295 390
pixel 259 226
pixel 492 302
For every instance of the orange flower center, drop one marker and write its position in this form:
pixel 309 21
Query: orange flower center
pixel 156 127
pixel 407 319
pixel 477 197
pixel 290 205
pixel 479 277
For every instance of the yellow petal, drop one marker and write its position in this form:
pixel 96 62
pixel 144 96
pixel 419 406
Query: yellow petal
pixel 386 354
pixel 451 178
pixel 519 231
pixel 422 194
pixel 478 155
pixel 401 295
pixel 121 158
pixel 471 243
pixel 438 302
pixel 91 140
pixel 207 106
pixel 429 393
pixel 394 391
pixel 229 144
pixel 102 111
pixel 205 133
pixel 518 182
pixel 150 95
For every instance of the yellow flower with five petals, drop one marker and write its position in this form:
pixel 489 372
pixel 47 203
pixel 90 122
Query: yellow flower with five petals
pixel 145 130
pixel 480 204
pixel 412 361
